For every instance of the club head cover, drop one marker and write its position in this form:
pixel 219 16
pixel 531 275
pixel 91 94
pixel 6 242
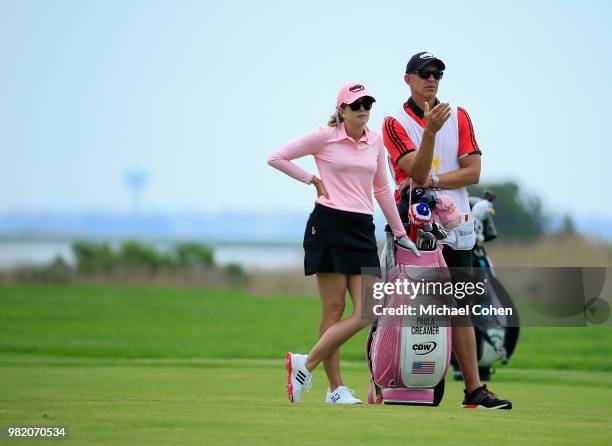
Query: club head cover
pixel 416 194
pixel 429 200
pixel 447 213
pixel 420 214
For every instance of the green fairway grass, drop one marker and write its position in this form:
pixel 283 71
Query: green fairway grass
pixel 158 323
pixel 153 366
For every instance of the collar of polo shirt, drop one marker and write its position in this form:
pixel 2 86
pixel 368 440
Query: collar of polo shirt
pixel 410 104
pixel 341 134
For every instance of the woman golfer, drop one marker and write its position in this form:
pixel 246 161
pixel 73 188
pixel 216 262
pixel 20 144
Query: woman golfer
pixel 339 237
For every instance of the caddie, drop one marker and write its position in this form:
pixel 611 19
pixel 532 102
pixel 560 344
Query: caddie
pixel 433 143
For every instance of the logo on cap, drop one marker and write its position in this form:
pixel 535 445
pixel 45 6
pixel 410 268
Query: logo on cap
pixel 426 56
pixel 356 88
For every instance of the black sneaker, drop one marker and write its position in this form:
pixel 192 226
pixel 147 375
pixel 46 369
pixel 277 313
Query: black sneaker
pixel 483 398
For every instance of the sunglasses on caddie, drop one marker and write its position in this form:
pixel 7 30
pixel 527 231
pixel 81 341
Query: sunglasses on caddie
pixel 425 74
pixel 367 104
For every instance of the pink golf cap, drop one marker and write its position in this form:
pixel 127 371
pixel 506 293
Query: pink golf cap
pixel 350 92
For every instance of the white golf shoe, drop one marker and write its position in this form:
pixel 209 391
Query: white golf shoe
pixel 342 395
pixel 298 378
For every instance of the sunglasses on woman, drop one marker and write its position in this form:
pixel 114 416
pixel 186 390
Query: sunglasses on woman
pixel 424 74
pixel 355 106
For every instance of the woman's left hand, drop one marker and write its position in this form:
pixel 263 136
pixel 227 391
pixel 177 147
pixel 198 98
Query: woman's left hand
pixel 405 242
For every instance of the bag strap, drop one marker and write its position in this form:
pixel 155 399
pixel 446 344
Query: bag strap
pixel 410 200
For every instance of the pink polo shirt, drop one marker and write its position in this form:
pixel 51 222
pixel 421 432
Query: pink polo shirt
pixel 349 171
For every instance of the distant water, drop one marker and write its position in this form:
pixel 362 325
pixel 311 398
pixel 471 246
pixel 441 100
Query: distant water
pixel 262 257
pixel 19 253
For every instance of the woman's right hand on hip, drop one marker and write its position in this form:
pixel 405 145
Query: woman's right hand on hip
pixel 318 184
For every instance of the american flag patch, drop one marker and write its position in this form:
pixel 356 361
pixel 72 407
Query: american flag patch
pixel 423 368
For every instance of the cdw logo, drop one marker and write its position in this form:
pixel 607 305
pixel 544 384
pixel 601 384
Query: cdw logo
pixel 424 348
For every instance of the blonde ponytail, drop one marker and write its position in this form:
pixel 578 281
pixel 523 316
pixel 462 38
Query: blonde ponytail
pixel 335 119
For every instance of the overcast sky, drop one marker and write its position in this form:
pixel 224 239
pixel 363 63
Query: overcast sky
pixel 198 94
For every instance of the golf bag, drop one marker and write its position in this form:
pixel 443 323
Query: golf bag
pixel 496 336
pixel 408 361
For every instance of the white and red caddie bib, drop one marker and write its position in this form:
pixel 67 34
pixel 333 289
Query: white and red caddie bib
pixel 445 160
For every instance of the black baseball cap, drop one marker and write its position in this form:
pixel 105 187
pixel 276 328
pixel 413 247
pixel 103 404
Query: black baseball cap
pixel 419 60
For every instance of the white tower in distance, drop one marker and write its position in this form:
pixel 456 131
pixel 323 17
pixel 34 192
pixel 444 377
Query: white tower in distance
pixel 136 180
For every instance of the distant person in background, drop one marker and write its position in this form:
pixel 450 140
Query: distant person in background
pixel 434 144
pixel 339 237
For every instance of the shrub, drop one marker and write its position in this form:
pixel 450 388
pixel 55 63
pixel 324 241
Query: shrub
pixel 236 273
pixel 136 257
pixel 92 258
pixel 58 272
pixel 194 256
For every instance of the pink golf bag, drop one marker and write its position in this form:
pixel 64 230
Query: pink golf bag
pixel 408 361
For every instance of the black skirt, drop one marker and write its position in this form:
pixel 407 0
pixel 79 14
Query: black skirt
pixel 338 241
